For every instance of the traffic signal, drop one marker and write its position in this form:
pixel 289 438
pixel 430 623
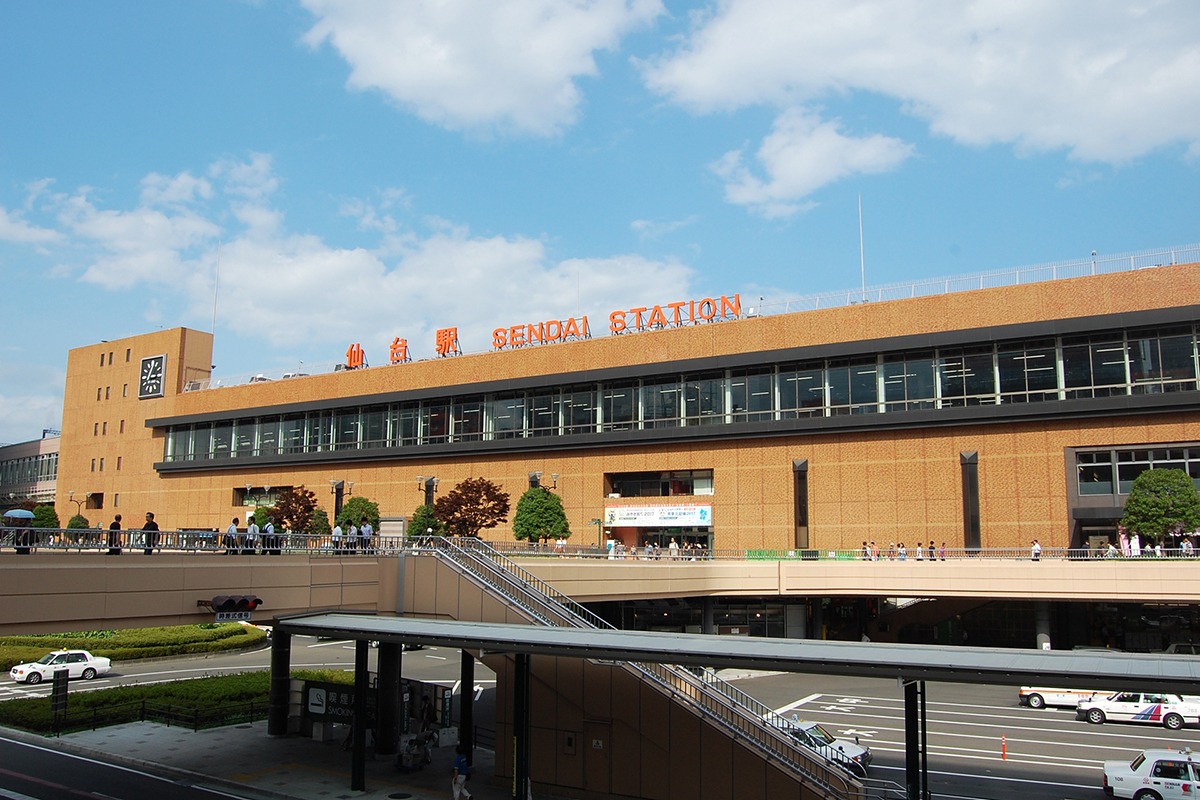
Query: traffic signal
pixel 236 602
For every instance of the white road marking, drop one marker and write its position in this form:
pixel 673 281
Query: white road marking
pixel 798 703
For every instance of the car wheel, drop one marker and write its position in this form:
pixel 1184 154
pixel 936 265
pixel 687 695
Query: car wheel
pixel 35 677
pixel 1036 701
pixel 1095 716
pixel 88 674
pixel 1173 721
pixel 1147 794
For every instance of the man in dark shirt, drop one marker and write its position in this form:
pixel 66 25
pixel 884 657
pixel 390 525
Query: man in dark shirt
pixel 150 532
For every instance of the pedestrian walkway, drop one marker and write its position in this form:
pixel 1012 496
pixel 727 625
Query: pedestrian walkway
pixel 243 760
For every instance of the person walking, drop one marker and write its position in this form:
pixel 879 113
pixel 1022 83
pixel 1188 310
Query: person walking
pixel 114 536
pixel 1035 551
pixel 336 536
pixel 365 531
pixel 270 545
pixel 251 537
pixel 932 551
pixel 150 533
pixel 231 538
pixel 462 771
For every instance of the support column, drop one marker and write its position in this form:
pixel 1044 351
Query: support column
pixel 279 697
pixel 521 688
pixel 916 757
pixel 387 715
pixel 466 711
pixel 706 625
pixel 358 758
pixel 1041 613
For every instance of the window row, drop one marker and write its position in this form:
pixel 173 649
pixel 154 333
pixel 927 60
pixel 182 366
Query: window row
pixel 29 469
pixel 1112 472
pixel 1023 371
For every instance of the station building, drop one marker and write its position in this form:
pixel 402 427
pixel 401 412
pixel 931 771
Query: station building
pixel 979 418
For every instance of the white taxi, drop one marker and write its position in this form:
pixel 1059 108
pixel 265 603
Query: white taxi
pixel 1169 710
pixel 77 663
pixel 1042 696
pixel 1153 775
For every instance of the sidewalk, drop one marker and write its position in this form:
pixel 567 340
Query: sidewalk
pixel 244 761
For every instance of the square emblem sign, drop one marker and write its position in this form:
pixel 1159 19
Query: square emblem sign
pixel 152 376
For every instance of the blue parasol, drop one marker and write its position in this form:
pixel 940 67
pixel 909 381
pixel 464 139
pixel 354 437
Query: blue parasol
pixel 19 513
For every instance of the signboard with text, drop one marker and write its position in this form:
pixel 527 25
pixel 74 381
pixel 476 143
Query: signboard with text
pixel 682 516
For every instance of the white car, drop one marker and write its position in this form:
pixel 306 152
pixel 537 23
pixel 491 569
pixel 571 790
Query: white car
pixel 1041 696
pixel 77 663
pixel 1153 775
pixel 850 756
pixel 1169 710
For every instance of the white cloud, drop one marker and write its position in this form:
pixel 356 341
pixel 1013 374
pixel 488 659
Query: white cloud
pixel 799 156
pixel 1106 82
pixel 478 65
pixel 15 229
pixel 653 229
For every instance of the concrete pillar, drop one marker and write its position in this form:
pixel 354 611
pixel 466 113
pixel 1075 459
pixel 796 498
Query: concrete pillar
pixel 358 758
pixel 1041 623
pixel 466 711
pixel 387 716
pixel 795 620
pixel 279 695
pixel 706 624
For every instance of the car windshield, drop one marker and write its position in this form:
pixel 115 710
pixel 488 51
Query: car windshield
pixel 820 735
pixel 46 659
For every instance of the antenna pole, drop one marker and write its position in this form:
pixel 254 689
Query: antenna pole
pixel 216 285
pixel 862 258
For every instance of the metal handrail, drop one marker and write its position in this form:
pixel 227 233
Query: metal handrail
pixel 735 711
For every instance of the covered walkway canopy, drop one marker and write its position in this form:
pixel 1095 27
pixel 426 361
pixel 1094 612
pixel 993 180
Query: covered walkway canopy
pixel 911 665
pixel 1083 669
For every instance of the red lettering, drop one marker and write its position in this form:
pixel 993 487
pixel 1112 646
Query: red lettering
pixel 572 327
pixel 516 336
pixel 499 338
pixel 616 322
pixel 554 330
pixel 731 308
pixel 637 312
pixel 657 318
pixel 707 309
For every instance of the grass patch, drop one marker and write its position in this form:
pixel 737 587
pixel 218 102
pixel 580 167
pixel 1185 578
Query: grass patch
pixel 134 643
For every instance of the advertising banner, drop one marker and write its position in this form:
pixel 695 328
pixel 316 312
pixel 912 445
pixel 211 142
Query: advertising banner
pixel 679 516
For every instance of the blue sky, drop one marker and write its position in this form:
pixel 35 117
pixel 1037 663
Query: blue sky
pixel 368 170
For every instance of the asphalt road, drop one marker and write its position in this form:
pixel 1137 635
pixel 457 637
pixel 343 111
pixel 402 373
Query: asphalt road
pixel 983 745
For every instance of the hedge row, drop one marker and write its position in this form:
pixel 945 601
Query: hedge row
pixel 128 645
pixel 121 704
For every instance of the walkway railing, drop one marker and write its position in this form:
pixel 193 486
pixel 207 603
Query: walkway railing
pixel 95 540
pixel 716 700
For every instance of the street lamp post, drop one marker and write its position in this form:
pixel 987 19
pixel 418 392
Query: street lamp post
pixel 78 503
pixel 599 523
pixel 428 485
pixel 340 490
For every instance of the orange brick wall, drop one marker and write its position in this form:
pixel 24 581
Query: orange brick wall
pixel 881 485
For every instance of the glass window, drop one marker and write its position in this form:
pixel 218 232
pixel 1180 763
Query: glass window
pixel 406 427
pixel 345 429
pixel 966 376
pixel 864 385
pixel 374 427
pixel 1094 366
pixel 291 434
pixel 179 444
pixel 467 419
pixel 244 435
pixel 837 386
pixel 580 411
pixel 704 399
pixel 801 390
pixel 507 414
pixel 752 394
pixel 543 414
pixel 1028 371
pixel 222 441
pixel 435 422
pixel 268 436
pixel 618 405
pixel 661 404
pixel 320 431
pixel 908 381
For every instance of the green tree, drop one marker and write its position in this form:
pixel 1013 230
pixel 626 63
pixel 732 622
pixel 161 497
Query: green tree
pixel 294 509
pixel 78 521
pixel 318 523
pixel 1162 501
pixel 45 517
pixel 471 506
pixel 260 515
pixel 424 521
pixel 540 515
pixel 358 507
